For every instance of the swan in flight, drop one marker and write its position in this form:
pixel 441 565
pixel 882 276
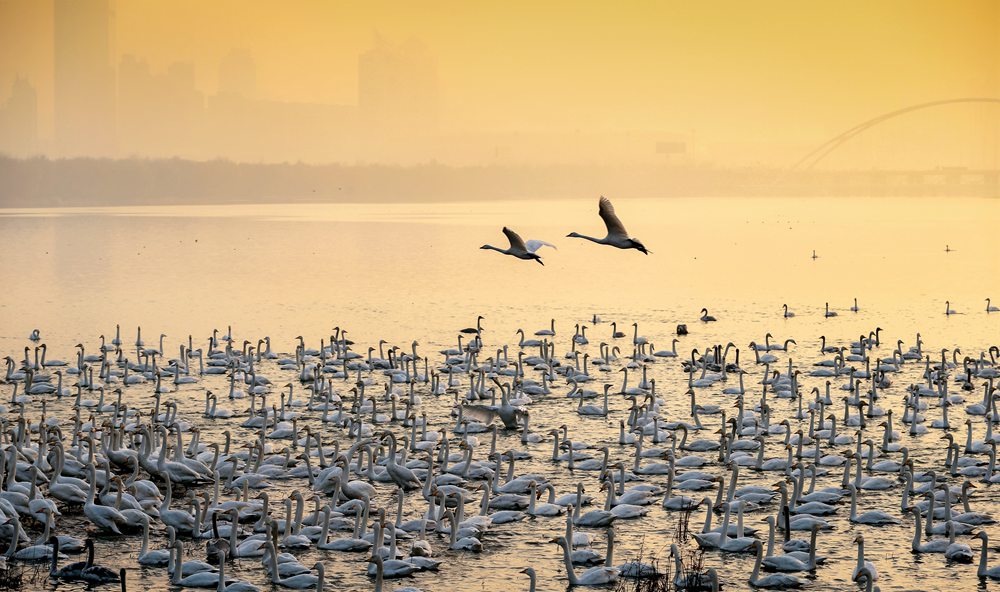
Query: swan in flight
pixel 517 247
pixel 535 244
pixel 617 235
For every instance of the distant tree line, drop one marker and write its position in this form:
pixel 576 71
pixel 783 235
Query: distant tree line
pixel 43 182
pixel 38 182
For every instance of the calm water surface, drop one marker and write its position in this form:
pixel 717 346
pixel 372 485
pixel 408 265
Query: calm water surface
pixel 414 272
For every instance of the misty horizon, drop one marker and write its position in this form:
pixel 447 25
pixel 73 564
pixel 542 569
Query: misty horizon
pixel 349 85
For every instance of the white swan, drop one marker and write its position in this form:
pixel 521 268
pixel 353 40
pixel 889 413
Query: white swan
pixel 617 235
pixel 595 576
pixel 534 245
pixel 778 580
pixel 862 565
pixel 872 517
pixel 104 517
pixel 984 571
pixel 225 585
pixel 517 247
pixel 380 575
pixel 297 582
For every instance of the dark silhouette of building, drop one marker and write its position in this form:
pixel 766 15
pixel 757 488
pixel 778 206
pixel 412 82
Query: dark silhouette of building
pixel 84 78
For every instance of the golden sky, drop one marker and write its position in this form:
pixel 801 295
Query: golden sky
pixel 731 74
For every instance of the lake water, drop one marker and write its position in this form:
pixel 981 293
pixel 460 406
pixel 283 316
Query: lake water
pixel 415 272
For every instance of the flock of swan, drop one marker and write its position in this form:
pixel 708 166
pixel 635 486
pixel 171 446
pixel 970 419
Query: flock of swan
pixel 390 460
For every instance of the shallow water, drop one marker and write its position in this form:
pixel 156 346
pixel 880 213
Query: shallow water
pixel 413 272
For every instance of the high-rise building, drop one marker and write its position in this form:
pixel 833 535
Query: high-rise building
pixel 238 74
pixel 398 88
pixel 84 78
pixel 159 114
pixel 19 120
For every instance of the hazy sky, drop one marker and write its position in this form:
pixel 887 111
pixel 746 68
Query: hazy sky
pixel 731 73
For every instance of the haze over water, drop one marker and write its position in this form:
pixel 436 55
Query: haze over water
pixel 396 271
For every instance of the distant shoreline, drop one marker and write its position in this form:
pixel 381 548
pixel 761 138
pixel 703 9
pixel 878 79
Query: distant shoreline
pixel 84 182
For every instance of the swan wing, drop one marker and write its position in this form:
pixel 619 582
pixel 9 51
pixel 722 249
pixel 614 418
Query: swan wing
pixel 480 413
pixel 516 242
pixel 611 220
pixel 535 244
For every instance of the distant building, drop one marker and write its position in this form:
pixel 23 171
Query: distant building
pixel 158 114
pixel 238 75
pixel 84 78
pixel 19 120
pixel 278 131
pixel 398 91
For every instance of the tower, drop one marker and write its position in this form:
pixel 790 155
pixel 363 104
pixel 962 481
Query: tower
pixel 84 78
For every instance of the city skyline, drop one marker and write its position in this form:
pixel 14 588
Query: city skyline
pixel 116 79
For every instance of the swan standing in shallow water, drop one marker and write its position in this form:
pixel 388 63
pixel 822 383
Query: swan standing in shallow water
pixel 617 235
pixel 517 247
